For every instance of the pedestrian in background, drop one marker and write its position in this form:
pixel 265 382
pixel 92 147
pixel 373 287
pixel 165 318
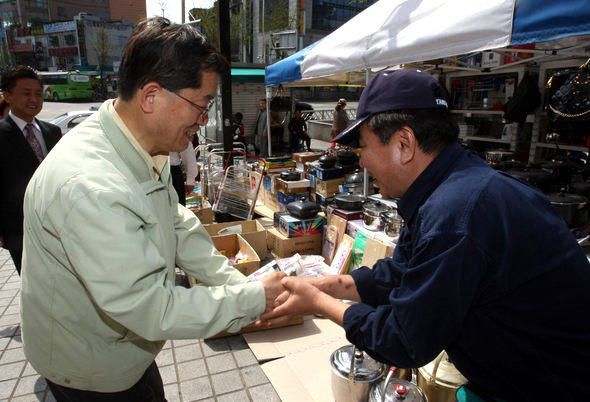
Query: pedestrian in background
pixel 260 132
pixel 340 118
pixel 184 170
pixel 298 132
pixel 4 108
pixel 24 143
pixel 105 232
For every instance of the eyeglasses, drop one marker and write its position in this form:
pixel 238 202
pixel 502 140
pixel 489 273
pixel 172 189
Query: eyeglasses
pixel 203 109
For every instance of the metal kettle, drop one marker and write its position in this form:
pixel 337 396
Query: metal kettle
pixel 353 373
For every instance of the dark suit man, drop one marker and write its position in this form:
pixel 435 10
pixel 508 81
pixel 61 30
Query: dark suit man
pixel 24 142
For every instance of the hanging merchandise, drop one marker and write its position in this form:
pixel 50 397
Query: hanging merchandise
pixel 525 99
pixel 570 93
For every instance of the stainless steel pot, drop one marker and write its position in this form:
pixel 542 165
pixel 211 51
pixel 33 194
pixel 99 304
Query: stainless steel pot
pixel 392 223
pixel 353 373
pixel 372 211
pixel 353 183
pixel 394 389
pixel 440 380
pixel 573 208
pixel 500 155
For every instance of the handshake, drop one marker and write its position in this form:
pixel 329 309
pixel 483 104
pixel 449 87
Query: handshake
pixel 287 296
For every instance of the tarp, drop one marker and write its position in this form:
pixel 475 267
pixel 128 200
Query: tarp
pixel 394 32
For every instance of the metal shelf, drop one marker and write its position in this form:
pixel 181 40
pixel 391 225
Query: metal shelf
pixel 561 146
pixel 487 139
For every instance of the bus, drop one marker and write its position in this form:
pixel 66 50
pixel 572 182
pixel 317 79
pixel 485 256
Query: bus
pixel 66 85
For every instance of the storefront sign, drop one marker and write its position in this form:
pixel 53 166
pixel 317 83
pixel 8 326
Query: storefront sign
pixel 63 51
pixel 60 27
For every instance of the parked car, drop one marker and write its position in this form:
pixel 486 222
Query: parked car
pixel 69 120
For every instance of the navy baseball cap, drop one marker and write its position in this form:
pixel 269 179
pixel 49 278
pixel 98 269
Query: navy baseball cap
pixel 395 90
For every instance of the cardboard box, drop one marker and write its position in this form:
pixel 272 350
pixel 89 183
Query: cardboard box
pixel 328 188
pixel 292 187
pixel 252 231
pixel 491 59
pixel 354 226
pixel 376 250
pixel 291 226
pixel 328 173
pixel 300 367
pixel 200 207
pixel 271 201
pixel 254 328
pixel 283 247
pixel 231 244
pixel 301 158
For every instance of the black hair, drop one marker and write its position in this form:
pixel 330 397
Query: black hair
pixel 173 55
pixel 12 74
pixel 238 117
pixel 434 128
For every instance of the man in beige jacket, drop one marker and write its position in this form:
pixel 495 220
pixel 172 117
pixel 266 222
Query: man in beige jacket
pixel 104 232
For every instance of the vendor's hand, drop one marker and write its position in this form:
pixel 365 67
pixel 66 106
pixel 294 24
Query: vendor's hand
pixel 302 298
pixel 273 287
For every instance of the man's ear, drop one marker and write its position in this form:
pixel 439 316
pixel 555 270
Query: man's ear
pixel 408 144
pixel 148 95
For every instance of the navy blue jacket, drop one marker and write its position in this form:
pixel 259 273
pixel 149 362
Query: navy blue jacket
pixel 488 271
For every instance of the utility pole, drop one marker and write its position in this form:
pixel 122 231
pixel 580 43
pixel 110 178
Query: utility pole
pixel 182 8
pixel 225 48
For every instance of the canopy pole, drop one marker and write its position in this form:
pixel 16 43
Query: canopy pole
pixel 268 133
pixel 365 171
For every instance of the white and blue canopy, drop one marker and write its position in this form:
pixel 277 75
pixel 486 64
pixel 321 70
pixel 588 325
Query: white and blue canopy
pixel 394 32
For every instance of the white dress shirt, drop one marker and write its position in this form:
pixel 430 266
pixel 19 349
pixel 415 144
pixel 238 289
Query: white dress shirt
pixel 188 160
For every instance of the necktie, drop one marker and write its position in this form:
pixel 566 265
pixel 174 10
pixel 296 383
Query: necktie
pixel 34 142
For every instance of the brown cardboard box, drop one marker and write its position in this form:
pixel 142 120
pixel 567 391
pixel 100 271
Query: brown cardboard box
pixel 301 158
pixel 205 212
pixel 252 231
pixel 328 188
pixel 271 201
pixel 374 251
pixel 283 247
pixel 301 369
pixel 292 187
pixel 232 244
pixel 253 328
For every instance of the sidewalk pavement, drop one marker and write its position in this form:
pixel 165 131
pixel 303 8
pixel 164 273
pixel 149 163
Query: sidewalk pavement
pixel 222 369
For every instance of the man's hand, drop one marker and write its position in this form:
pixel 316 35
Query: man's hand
pixel 272 288
pixel 302 298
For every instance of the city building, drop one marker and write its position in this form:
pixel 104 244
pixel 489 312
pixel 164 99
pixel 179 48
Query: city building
pixel 129 10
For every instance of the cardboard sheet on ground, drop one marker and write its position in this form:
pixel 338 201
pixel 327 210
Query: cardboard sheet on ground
pixel 314 333
pixel 304 376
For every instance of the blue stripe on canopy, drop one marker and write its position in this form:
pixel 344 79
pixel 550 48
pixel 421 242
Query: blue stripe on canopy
pixel 287 70
pixel 544 20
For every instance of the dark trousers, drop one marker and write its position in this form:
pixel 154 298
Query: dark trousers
pixel 178 183
pixel 149 388
pixel 17 257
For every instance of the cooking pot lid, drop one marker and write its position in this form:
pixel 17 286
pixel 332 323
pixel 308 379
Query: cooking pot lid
pixel 365 368
pixel 397 389
pixel 563 198
pixel 375 207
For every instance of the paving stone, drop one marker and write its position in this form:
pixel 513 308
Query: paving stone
pixel 185 342
pixel 49 396
pixel 13 355
pixel 8 293
pixel 215 346
pixel 168 374
pixel 172 392
pixel 12 309
pixel 264 393
pixel 31 384
pixel 11 370
pixel 5 301
pixel 29 370
pixel 194 390
pixel 4 343
pixel 9 331
pixel 28 398
pixel 253 375
pixel 16 341
pixel 240 396
pixel 165 358
pixel 11 285
pixel 227 382
pixel 245 357
pixel 6 388
pixel 237 342
pixel 191 369
pixel 9 319
pixel 167 345
pixel 189 352
pixel 220 363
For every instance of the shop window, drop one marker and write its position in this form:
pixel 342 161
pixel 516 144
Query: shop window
pixel 70 40
pixel 53 41
pixel 62 12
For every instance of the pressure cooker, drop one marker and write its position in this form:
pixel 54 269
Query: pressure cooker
pixel 395 389
pixel 372 211
pixel 353 374
pixel 573 208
